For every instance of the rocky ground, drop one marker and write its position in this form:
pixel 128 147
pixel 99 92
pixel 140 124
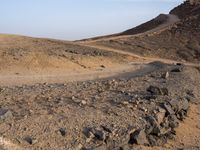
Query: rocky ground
pixel 134 92
pixel 121 113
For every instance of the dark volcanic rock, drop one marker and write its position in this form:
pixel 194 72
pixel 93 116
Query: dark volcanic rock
pixel 179 105
pixel 99 134
pixel 154 90
pixel 88 133
pixel 62 131
pixel 139 137
pixel 157 141
pixel 179 64
pixel 173 121
pixel 154 127
pixel 168 108
pixel 176 70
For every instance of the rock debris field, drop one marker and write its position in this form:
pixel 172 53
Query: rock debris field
pixel 122 113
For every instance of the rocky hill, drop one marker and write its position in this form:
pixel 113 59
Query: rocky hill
pixel 180 41
pixel 159 20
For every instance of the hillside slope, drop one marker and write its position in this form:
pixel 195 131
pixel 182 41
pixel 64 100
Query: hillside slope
pixel 178 41
pixel 25 55
pixel 159 20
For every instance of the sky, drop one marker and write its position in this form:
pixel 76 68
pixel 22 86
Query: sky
pixel 77 19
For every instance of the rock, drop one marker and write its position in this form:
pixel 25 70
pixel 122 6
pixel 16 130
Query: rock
pixel 144 109
pixel 30 140
pixel 88 133
pixel 153 127
pixel 165 75
pixel 5 114
pixel 125 102
pixel 179 105
pixel 154 90
pixel 73 98
pixel 122 137
pixel 150 97
pixel 165 91
pixel 102 66
pixel 176 70
pixel 62 131
pixel 108 129
pixel 198 127
pixel 139 137
pixel 184 104
pixel 168 108
pixel 111 143
pixel 173 121
pixel 101 147
pixel 99 134
pixel 126 147
pixel 192 99
pixel 157 141
pixel 179 64
pixel 160 115
pixel 175 105
pixel 181 115
pixel 83 102
pixel 191 93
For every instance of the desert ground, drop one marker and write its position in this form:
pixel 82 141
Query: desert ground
pixel 134 90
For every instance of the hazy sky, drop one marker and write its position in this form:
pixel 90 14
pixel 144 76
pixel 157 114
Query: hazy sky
pixel 76 19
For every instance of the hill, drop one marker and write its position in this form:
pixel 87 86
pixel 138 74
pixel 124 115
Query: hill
pixel 40 60
pixel 178 40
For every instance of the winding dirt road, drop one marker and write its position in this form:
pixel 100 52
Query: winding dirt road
pixel 140 66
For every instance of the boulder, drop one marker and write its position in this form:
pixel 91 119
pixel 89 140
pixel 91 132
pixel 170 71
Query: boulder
pixel 168 108
pixel 176 70
pixel 5 114
pixel 165 75
pixel 99 134
pixel 154 90
pixel 178 105
pixel 157 141
pixel 173 121
pixel 139 137
pixel 160 115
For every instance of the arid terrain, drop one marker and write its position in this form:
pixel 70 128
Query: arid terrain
pixel 134 90
pixel 176 36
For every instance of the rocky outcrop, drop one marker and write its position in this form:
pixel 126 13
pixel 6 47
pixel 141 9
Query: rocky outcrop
pixel 187 9
pixel 194 2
